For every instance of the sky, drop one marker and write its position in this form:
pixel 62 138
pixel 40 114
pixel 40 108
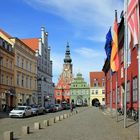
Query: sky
pixel 82 23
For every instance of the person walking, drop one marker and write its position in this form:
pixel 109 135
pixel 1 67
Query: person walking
pixel 71 107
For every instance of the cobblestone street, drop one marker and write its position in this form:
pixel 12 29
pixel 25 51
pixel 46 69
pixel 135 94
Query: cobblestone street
pixel 90 124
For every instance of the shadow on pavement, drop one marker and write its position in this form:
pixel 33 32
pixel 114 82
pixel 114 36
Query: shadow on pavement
pixel 133 123
pixel 3 115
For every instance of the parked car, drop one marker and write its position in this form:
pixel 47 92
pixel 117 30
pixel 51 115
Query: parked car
pixel 65 106
pixel 97 104
pixel 37 109
pixel 21 111
pixel 51 108
pixel 58 107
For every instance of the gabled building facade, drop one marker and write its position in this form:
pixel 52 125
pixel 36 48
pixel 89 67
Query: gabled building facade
pixel 97 88
pixel 79 90
pixel 45 86
pixel 62 89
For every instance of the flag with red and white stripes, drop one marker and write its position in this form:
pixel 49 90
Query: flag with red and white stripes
pixel 133 18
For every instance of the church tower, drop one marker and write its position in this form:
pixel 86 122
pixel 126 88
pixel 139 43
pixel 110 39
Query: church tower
pixel 62 89
pixel 67 73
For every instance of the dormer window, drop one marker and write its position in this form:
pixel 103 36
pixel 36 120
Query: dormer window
pixel 95 82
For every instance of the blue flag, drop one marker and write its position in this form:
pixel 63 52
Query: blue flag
pixel 108 44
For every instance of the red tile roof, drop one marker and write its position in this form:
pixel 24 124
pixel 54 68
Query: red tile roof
pixel 96 75
pixel 6 34
pixel 32 43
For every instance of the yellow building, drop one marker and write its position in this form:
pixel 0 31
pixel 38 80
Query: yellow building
pixel 7 90
pixel 25 72
pixel 97 88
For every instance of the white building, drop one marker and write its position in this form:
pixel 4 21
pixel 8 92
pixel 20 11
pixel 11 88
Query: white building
pixel 44 71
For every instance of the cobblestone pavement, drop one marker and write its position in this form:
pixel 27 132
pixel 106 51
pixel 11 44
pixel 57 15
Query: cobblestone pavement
pixel 15 124
pixel 91 124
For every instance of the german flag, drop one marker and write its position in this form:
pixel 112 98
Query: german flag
pixel 114 61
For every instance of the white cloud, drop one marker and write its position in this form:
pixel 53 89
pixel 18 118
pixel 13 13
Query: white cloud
pixel 81 12
pixel 87 52
pixel 83 61
pixel 91 20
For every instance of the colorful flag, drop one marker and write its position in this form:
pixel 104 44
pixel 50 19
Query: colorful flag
pixel 108 44
pixel 133 19
pixel 114 61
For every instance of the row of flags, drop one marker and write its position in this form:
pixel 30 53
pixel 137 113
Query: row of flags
pixel 111 45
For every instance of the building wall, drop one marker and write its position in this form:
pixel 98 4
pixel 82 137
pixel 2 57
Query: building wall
pixel 44 67
pixel 25 73
pixel 132 74
pixel 97 87
pixel 46 92
pixel 7 91
pixel 97 93
pixel 79 90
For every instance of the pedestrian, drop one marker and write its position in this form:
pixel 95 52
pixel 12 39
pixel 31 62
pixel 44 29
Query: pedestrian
pixel 71 106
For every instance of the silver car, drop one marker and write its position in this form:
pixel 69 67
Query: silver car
pixel 37 109
pixel 21 111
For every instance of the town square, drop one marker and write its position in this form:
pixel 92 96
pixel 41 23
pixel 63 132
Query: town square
pixel 69 70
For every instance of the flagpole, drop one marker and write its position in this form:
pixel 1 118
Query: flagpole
pixel 116 96
pixel 125 57
pixel 110 92
pixel 116 79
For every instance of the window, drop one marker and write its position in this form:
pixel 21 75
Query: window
pixel 2 78
pixel 103 82
pixel 118 94
pixel 11 81
pixel 17 79
pixel 30 67
pixel 96 91
pixel 7 80
pixel 22 63
pixel 113 94
pixel 26 65
pixel 6 63
pixel 30 82
pixel 3 44
pixel 17 60
pixel 103 91
pixel 92 91
pixel 26 81
pixel 39 87
pixel 135 89
pixel 22 81
pixel 95 82
pixel 11 63
pixel 128 92
pixel 57 93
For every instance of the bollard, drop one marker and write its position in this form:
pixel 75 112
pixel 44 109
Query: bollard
pixel 60 117
pixel 56 119
pixel 51 121
pixel 65 116
pixel 46 123
pixel 25 130
pixel 37 125
pixel 8 135
pixel 68 115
